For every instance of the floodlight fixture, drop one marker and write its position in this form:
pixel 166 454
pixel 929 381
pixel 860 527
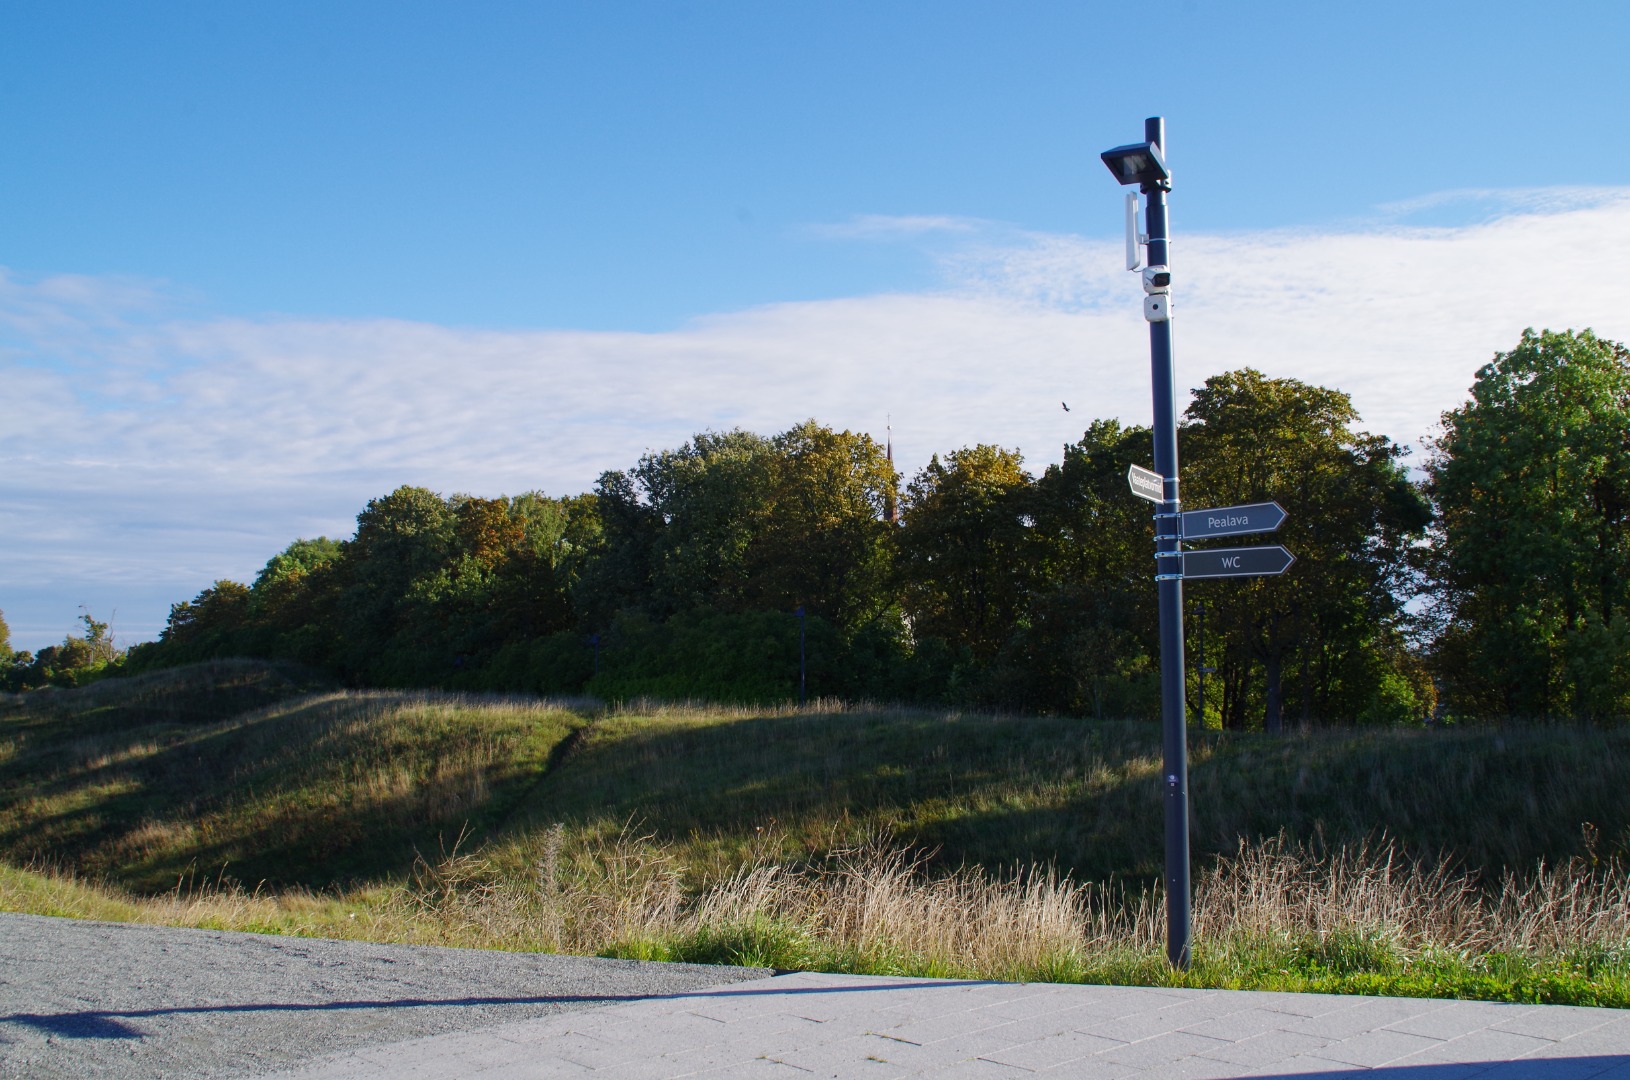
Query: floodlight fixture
pixel 1140 164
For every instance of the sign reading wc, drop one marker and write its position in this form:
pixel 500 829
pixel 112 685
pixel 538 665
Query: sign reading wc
pixel 1237 562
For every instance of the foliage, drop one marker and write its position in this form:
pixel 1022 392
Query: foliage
pixel 1531 478
pixel 1087 642
pixel 1327 638
pixel 1000 589
pixel 736 522
pixel 965 563
pixel 78 661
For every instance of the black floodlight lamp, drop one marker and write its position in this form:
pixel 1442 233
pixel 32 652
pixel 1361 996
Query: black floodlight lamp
pixel 1140 164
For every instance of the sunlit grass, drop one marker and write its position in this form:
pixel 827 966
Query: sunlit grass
pixel 1479 862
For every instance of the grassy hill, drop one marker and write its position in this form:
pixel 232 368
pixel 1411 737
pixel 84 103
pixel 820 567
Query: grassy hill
pixel 526 823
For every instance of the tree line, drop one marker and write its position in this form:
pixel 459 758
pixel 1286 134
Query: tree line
pixel 1491 584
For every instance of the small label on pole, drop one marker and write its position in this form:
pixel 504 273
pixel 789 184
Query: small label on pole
pixel 1146 483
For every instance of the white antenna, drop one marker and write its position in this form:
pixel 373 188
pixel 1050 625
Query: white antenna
pixel 1134 239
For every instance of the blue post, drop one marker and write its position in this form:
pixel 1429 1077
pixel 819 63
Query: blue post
pixel 1174 769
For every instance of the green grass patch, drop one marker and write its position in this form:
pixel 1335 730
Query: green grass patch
pixel 245 795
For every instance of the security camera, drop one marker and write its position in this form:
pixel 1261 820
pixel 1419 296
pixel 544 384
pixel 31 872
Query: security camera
pixel 1157 280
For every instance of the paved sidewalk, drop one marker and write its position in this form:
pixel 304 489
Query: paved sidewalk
pixel 810 1025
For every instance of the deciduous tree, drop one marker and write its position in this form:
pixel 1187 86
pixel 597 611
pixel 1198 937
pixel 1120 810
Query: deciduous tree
pixel 1531 478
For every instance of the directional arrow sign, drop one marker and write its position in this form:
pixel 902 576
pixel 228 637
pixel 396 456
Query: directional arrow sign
pixel 1236 562
pixel 1146 483
pixel 1232 520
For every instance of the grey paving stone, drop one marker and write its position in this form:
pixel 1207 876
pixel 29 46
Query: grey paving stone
pixel 757 1069
pixel 856 1051
pixel 1481 1046
pixel 1366 1015
pixel 1557 1021
pixel 1017 1031
pixel 1301 1004
pixel 1198 1069
pixel 1373 1048
pixel 1307 1067
pixel 1268 1047
pixel 588 1052
pixel 1608 1039
pixel 540 1069
pixel 1161 1049
pixel 894 1028
pixel 1458 1018
pixel 694 1058
pixel 1091 1069
pixel 934 1028
pixel 957 1048
pixel 1242 1024
pixel 645 1069
pixel 979 1069
pixel 1039 1053
pixel 1151 1022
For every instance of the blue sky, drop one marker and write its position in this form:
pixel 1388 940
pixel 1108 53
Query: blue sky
pixel 261 262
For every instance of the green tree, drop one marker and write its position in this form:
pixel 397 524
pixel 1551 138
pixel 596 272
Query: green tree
pixel 965 548
pixel 1327 638
pixel 1088 641
pixel 210 624
pixel 401 538
pixel 1531 553
pixel 735 522
pixel 825 543
pixel 6 653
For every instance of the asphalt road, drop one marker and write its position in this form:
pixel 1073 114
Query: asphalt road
pixel 108 999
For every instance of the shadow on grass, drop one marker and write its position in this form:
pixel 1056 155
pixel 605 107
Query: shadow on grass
pixel 1083 794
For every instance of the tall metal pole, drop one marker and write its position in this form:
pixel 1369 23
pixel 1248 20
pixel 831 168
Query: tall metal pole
pixel 802 667
pixel 1168 576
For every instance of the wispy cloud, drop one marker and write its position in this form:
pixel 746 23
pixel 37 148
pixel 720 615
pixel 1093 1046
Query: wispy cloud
pixel 896 227
pixel 145 451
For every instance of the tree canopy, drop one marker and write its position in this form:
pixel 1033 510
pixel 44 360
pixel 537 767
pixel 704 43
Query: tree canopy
pixel 1531 554
pixel 998 587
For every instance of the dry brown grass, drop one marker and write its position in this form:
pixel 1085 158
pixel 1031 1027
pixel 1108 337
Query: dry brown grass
pixel 1273 915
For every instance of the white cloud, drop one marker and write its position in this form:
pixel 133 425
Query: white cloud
pixel 143 454
pixel 895 227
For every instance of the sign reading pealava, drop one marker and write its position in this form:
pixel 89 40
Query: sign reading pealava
pixel 1232 520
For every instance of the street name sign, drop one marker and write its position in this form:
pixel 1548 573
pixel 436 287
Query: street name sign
pixel 1236 562
pixel 1146 483
pixel 1232 520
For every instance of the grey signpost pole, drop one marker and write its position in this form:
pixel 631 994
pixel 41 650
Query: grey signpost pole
pixel 1169 578
pixel 1143 164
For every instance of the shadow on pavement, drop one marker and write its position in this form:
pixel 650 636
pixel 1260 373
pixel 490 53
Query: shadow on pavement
pixel 106 1023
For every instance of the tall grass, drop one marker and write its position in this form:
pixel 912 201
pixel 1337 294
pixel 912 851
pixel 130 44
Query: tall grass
pixel 1272 916
pixel 1484 861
